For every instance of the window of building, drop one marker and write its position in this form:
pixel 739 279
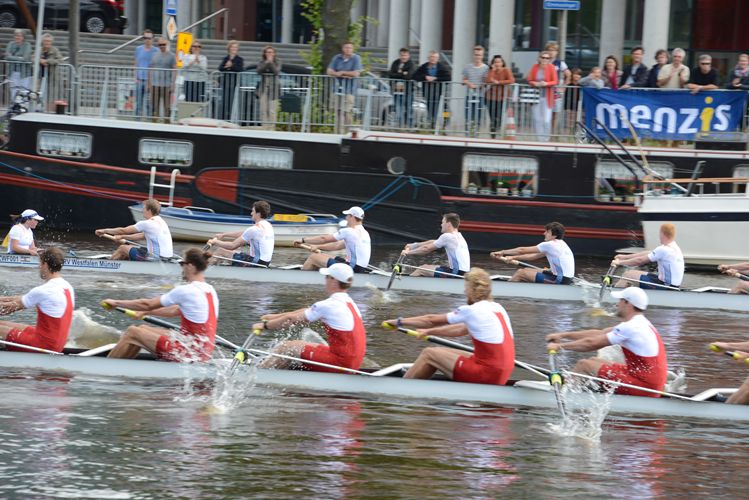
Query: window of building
pixel 495 175
pixel 66 144
pixel 164 152
pixel 259 157
pixel 615 182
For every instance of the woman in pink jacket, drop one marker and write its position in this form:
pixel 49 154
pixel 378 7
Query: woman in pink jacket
pixel 543 76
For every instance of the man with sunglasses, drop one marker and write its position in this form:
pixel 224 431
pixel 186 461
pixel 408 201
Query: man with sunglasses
pixel 195 302
pixel 143 57
pixel 704 76
pixel 161 80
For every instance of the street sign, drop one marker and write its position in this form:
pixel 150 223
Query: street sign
pixel 171 28
pixel 562 4
pixel 170 7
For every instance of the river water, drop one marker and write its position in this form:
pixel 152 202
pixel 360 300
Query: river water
pixel 75 436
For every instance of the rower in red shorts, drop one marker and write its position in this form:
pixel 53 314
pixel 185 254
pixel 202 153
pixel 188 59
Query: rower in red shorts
pixel 54 302
pixel 643 349
pixel 488 325
pixel 347 339
pixel 196 303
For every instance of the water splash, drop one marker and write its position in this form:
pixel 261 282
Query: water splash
pixel 86 333
pixel 585 412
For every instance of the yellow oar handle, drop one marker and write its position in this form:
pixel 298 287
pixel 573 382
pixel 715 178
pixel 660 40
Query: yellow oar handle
pixel 407 331
pixel 106 306
pixel 552 351
pixel 555 378
pixel 715 348
pixel 257 331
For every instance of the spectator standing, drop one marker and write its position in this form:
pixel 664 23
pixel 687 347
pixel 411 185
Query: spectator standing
pixel 635 74
pixel 611 73
pixel 231 65
pixel 162 78
pixel 18 52
pixel 739 77
pixel 143 57
pixel 674 75
pixel 346 67
pixel 269 68
pixel 572 97
pixel 49 58
pixel 543 76
pixel 401 75
pixel 594 79
pixel 497 77
pixel 661 59
pixel 433 74
pixel 474 75
pixel 704 76
pixel 563 78
pixel 195 72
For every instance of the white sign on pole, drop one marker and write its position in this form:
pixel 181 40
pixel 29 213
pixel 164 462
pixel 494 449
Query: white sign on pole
pixel 170 8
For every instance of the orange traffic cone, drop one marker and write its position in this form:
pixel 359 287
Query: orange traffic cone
pixel 510 124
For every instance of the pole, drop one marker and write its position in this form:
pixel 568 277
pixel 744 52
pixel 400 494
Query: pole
pixel 74 30
pixel 38 46
pixel 562 35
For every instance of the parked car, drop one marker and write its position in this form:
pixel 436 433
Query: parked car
pixel 377 91
pixel 96 15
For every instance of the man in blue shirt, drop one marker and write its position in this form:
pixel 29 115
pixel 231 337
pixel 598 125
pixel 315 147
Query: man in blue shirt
pixel 345 66
pixel 143 57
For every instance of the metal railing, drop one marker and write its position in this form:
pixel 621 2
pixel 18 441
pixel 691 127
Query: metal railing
pixel 309 103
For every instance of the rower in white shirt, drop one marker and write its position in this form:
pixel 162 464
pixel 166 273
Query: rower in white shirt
pixel 21 235
pixel 353 238
pixel 668 256
pixel 260 238
pixel 561 260
pixel 458 256
pixel 153 230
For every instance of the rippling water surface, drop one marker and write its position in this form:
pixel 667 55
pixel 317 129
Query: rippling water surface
pixel 73 436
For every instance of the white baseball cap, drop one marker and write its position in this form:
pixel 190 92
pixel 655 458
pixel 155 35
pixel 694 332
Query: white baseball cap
pixel 341 272
pixel 355 211
pixel 31 214
pixel 635 296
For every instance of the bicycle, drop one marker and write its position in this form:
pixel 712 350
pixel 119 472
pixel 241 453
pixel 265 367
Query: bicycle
pixel 21 103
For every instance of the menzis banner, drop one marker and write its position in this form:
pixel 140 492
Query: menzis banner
pixel 664 114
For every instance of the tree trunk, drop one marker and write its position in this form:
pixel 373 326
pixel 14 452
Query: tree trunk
pixel 336 20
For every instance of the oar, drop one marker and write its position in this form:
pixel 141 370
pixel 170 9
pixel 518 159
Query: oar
pixel 542 372
pixel 732 354
pixel 556 381
pixel 451 275
pixel 36 349
pixel 396 271
pixel 633 280
pixel 240 356
pixel 316 363
pixel 606 282
pixel 308 248
pixel 736 274
pixel 520 263
pixel 164 324
pixel 242 262
pixel 122 241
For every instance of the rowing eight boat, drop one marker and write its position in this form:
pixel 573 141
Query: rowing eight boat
pixel 500 289
pixel 523 394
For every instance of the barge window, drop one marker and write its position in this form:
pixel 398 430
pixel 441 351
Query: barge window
pixel 743 172
pixel 614 182
pixel 260 157
pixel 495 175
pixel 66 144
pixel 163 152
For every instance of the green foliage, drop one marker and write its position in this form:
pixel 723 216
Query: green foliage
pixel 312 11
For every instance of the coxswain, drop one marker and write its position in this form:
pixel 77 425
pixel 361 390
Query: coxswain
pixel 21 235
pixel 458 256
pixel 259 237
pixel 353 238
pixel 740 270
pixel 195 302
pixel 668 256
pixel 561 260
pixel 740 353
pixel 54 301
pixel 347 339
pixel 489 327
pixel 641 343
pixel 153 229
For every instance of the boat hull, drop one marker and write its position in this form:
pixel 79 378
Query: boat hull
pixel 370 386
pixel 501 290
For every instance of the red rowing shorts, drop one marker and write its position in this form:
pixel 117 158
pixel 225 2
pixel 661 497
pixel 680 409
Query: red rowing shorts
pixel 619 373
pixel 321 354
pixel 27 336
pixel 466 369
pixel 170 350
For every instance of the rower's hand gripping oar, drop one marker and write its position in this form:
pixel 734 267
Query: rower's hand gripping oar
pixel 307 247
pixel 121 241
pixel 429 338
pixel 556 381
pixel 732 354
pixel 163 323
